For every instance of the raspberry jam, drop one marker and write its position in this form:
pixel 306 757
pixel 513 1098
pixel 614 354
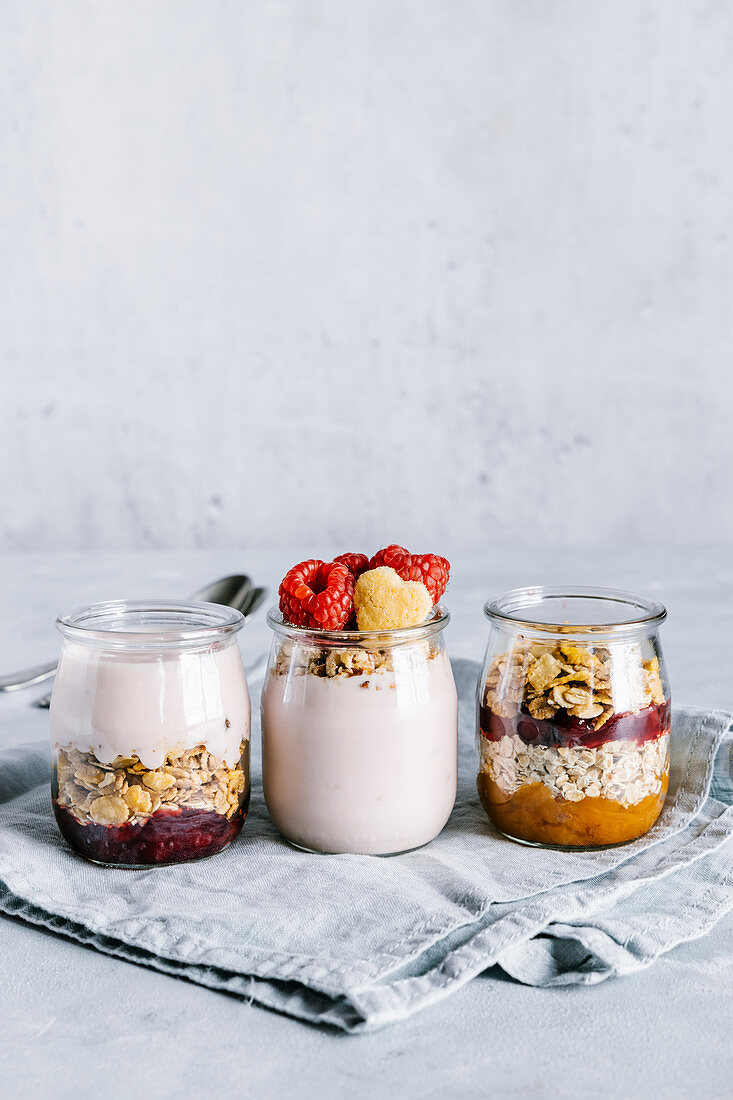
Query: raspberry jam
pixel 564 730
pixel 172 835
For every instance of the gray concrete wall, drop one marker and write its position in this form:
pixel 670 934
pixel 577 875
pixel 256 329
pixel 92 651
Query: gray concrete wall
pixel 440 271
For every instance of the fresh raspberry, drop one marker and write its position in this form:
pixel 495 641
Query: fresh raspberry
pixel 355 563
pixel 396 557
pixel 317 594
pixel 432 570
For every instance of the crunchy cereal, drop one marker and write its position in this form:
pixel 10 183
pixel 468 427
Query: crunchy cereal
pixel 109 810
pixel 125 791
pixel 159 781
pixel 139 800
pixel 545 677
pixel 302 660
pixel 622 770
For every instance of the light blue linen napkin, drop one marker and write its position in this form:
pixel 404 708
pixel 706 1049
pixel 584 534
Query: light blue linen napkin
pixel 358 942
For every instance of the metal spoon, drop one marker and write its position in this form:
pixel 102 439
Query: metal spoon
pixel 234 591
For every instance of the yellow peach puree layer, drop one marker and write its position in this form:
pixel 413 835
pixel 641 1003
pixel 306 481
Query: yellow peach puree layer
pixel 533 814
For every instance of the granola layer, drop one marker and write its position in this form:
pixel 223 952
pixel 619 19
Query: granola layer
pixel 560 680
pixel 624 771
pixel 301 660
pixel 126 792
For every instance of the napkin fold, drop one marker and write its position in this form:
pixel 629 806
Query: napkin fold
pixel 358 942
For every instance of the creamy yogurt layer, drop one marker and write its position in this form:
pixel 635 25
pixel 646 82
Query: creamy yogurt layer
pixel 151 704
pixel 361 763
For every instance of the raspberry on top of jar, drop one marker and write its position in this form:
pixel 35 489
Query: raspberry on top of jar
pixel 359 709
pixel 392 589
pixel 354 594
pixel 574 737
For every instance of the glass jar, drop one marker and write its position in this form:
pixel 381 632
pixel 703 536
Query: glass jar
pixel 573 717
pixel 150 726
pixel 359 736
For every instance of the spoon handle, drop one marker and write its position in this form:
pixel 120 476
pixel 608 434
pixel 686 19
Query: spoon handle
pixel 28 676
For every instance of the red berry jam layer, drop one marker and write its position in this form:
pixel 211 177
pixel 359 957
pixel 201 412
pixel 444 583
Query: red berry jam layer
pixel 564 730
pixel 171 835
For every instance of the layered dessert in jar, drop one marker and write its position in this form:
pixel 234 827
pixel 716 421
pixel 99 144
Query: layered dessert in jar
pixel 359 706
pixel 150 729
pixel 574 719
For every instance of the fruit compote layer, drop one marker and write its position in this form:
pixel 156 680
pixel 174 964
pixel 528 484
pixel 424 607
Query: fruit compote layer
pixel 170 835
pixel 534 815
pixel 566 731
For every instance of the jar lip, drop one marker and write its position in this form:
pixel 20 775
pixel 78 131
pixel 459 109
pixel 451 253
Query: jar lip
pixel 642 615
pixel 439 618
pixel 169 623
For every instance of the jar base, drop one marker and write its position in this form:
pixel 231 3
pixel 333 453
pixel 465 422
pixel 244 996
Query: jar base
pixel 567 847
pixel 591 824
pixel 377 855
pixel 168 837
pixel 148 866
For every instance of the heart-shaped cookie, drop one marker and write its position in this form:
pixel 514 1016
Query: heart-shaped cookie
pixel 384 601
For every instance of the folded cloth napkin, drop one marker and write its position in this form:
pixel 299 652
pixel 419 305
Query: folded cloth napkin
pixel 358 942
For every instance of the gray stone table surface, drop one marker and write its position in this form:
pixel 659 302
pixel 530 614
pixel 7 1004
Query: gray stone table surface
pixel 74 1023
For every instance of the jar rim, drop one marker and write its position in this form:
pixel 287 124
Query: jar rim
pixel 641 616
pixel 169 623
pixel 379 639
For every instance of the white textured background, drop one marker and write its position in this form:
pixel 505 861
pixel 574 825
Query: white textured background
pixel 440 271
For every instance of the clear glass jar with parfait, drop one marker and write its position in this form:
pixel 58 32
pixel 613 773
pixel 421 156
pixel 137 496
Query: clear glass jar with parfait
pixel 359 736
pixel 150 732
pixel 573 717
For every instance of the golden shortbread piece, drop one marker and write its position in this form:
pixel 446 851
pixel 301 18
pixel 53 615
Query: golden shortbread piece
pixel 383 601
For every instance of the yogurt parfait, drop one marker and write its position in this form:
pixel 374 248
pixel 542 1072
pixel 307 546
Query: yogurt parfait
pixel 359 707
pixel 150 728
pixel 574 717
